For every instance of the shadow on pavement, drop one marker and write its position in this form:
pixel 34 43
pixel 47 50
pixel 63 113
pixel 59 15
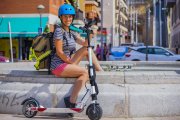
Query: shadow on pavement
pixel 49 117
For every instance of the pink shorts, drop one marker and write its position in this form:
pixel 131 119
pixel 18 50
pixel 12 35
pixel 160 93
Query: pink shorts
pixel 57 72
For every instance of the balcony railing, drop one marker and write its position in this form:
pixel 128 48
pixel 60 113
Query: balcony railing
pixel 117 7
pixel 123 10
pixel 124 24
pixel 134 2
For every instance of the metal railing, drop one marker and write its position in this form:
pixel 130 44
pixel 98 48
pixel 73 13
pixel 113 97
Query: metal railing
pixel 124 24
pixel 133 2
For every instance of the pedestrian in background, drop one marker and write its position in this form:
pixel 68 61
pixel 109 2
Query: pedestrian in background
pixel 105 51
pixel 98 52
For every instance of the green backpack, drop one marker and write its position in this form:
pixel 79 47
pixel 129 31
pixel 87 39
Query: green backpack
pixel 42 50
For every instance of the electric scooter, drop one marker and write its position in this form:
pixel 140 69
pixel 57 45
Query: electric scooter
pixel 94 112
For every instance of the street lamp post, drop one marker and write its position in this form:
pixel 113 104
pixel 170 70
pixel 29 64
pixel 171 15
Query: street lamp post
pixel 133 23
pixel 147 30
pixel 40 8
pixel 136 26
pixel 160 23
pixel 10 40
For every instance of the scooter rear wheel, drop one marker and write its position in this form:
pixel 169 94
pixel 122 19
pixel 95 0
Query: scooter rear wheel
pixel 25 110
pixel 94 112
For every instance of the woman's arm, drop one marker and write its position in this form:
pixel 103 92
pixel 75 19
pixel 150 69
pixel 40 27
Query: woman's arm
pixel 60 53
pixel 82 41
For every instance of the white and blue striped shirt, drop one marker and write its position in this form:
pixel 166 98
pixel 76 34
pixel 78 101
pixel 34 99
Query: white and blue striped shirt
pixel 69 45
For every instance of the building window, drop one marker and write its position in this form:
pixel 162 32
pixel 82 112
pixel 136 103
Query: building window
pixel 179 9
pixel 172 18
pixel 178 38
pixel 177 12
pixel 174 15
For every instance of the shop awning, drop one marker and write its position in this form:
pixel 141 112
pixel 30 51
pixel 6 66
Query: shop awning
pixel 21 27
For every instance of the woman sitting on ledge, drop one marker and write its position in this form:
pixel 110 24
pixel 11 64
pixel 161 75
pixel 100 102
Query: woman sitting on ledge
pixel 66 59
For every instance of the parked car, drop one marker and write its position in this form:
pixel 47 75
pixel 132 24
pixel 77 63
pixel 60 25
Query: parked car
pixel 155 53
pixel 132 44
pixel 4 59
pixel 127 44
pixel 117 53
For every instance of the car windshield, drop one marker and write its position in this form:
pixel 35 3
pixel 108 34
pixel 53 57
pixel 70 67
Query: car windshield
pixel 119 51
pixel 171 50
pixel 127 44
pixel 143 50
pixel 159 51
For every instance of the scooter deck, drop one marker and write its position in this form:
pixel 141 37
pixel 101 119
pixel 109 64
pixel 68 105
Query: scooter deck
pixel 56 110
pixel 63 110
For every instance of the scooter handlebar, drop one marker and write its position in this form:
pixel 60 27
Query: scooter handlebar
pixel 90 23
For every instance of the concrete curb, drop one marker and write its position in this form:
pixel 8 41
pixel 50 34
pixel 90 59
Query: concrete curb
pixel 117 100
pixel 122 94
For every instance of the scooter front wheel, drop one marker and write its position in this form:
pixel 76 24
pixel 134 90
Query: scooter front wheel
pixel 94 112
pixel 26 109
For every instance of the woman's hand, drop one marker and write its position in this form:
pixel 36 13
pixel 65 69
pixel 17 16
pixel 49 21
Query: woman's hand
pixel 82 41
pixel 69 61
pixel 91 36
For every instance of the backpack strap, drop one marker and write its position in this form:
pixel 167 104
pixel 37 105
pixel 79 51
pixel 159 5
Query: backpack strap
pixel 64 36
pixel 52 52
pixel 72 35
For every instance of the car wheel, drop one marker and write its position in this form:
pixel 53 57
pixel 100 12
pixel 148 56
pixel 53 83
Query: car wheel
pixel 177 60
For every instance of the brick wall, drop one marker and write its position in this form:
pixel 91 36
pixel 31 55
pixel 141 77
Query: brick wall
pixel 175 33
pixel 22 6
pixel 54 6
pixel 29 6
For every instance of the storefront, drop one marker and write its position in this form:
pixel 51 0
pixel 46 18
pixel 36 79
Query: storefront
pixel 23 30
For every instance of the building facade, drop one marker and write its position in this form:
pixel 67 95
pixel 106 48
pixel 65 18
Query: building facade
pixel 160 24
pixel 122 21
pixel 92 8
pixel 115 21
pixel 174 15
pixel 25 20
pixel 137 20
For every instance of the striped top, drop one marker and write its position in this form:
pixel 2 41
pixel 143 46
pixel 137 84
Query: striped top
pixel 69 45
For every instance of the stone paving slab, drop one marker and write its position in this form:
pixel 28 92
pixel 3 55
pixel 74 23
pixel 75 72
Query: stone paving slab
pixel 21 117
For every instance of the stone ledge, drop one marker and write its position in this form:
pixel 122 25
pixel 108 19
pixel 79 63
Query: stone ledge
pixel 128 77
pixel 42 77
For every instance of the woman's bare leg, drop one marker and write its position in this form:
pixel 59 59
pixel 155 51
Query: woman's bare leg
pixel 82 76
pixel 96 62
pixel 79 55
pixel 72 70
pixel 83 52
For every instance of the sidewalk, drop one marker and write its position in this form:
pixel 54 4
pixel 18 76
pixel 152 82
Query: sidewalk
pixel 21 117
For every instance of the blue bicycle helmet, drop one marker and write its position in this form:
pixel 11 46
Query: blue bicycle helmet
pixel 66 9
